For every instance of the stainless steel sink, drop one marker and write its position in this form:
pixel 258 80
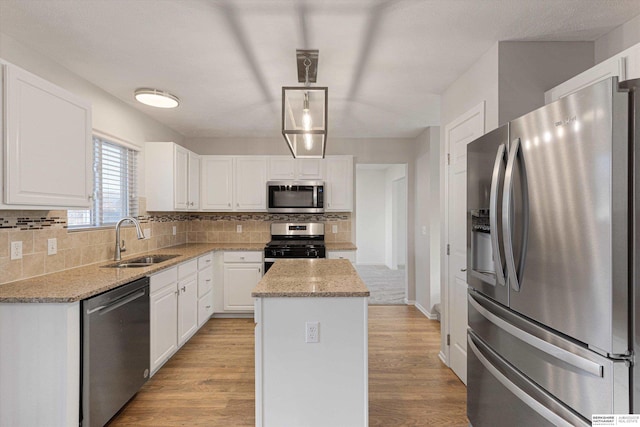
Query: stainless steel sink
pixel 144 261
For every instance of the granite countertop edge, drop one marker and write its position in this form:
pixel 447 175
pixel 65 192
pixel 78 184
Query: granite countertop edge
pixel 71 285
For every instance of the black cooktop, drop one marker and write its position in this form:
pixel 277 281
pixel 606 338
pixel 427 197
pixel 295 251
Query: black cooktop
pixel 287 243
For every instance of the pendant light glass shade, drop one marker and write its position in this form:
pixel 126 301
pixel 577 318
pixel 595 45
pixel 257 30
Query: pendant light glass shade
pixel 156 98
pixel 304 120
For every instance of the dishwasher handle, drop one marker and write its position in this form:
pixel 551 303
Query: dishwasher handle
pixel 104 309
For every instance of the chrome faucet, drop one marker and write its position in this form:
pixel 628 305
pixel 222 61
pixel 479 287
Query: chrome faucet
pixel 120 246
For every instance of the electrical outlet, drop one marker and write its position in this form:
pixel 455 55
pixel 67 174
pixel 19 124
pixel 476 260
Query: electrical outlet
pixel 52 246
pixel 334 229
pixel 16 250
pixel 147 233
pixel 174 230
pixel 239 228
pixel 312 332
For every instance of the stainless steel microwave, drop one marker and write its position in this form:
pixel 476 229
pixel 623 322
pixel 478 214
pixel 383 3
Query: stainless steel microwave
pixel 295 196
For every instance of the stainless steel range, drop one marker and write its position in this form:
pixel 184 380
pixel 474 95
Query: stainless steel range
pixel 294 240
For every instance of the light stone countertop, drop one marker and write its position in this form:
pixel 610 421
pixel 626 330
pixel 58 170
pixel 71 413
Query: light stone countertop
pixel 340 246
pixel 311 278
pixel 83 282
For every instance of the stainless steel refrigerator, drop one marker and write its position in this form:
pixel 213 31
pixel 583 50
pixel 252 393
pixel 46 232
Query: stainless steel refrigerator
pixel 552 262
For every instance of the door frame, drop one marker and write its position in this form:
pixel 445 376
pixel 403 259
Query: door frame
pixel 445 323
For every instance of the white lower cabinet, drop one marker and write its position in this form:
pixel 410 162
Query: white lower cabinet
pixel 187 300
pixel 174 310
pixel 242 272
pixel 205 288
pixel 350 255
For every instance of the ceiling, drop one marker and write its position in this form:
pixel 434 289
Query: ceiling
pixel 385 62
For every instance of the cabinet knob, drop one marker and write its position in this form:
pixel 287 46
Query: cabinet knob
pixel 237 205
pixel 208 280
pixel 229 204
pixel 208 306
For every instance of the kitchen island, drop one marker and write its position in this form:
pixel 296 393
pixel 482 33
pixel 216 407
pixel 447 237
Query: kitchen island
pixel 311 345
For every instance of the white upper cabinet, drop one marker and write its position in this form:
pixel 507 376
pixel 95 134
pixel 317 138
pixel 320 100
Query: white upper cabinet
pixel 231 183
pixel 47 146
pixel 339 184
pixel 193 183
pixel 625 66
pixel 172 177
pixel 250 183
pixel 286 167
pixel 216 183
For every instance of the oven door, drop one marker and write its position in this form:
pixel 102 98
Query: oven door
pixel 295 196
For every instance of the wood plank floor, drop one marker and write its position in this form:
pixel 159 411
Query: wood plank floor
pixel 210 381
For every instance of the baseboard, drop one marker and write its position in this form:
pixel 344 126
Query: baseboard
pixel 427 313
pixel 232 316
pixel 409 302
pixel 443 358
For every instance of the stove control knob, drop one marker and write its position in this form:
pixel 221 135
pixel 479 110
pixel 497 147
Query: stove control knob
pixel 312 253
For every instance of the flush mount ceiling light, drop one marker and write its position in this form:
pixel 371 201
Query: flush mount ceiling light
pixel 304 110
pixel 156 98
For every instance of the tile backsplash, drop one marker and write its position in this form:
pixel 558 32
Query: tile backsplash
pixel 82 247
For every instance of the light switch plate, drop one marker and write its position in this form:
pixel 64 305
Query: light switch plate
pixel 239 228
pixel 147 233
pixel 52 246
pixel 174 230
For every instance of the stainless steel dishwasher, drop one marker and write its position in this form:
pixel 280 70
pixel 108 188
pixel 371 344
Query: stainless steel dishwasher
pixel 115 350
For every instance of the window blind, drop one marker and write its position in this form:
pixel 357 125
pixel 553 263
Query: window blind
pixel 114 186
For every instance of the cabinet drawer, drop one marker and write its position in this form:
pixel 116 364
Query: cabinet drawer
pixel 187 269
pixel 243 256
pixel 205 261
pixel 205 281
pixel 162 279
pixel 205 308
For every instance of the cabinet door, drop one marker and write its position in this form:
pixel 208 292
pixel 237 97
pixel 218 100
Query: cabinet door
pixel 205 281
pixel 309 169
pixel 239 281
pixel 217 183
pixel 48 143
pixel 181 177
pixel 194 181
pixel 339 184
pixel 250 184
pixel 164 324
pixel 281 167
pixel 187 308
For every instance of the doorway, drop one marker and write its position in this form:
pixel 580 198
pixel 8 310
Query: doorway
pixel 381 231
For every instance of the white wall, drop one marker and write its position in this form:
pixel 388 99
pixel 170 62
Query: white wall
pixel 370 224
pixel 618 40
pixel 110 115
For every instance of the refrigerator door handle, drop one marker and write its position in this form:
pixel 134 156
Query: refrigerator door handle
pixel 581 363
pixel 532 403
pixel 515 276
pixel 493 215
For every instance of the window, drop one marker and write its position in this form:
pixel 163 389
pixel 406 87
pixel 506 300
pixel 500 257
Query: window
pixel 114 186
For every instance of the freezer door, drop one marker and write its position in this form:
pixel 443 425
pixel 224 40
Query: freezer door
pixel 499 396
pixel 486 163
pixel 566 204
pixel 581 379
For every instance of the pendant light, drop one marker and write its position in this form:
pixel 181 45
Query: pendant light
pixel 304 110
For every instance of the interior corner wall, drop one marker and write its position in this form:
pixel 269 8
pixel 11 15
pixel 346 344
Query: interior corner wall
pixel 423 217
pixel 526 70
pixel 393 173
pixel 618 39
pixel 435 217
pixel 110 115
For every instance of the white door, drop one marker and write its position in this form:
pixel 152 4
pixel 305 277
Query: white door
pixel 181 177
pixel 217 183
pixel 194 181
pixel 250 184
pixel 164 325
pixel 458 134
pixel 187 308
pixel 239 281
